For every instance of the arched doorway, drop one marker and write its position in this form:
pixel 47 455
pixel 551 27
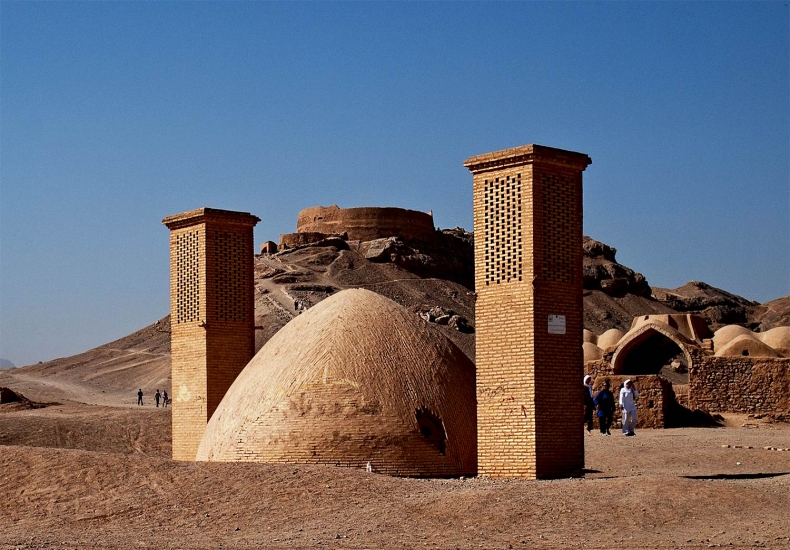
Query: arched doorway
pixel 653 349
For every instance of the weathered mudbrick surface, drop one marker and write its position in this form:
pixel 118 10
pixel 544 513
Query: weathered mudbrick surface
pixel 212 317
pixel 653 406
pixel 528 278
pixel 366 223
pixel 356 379
pixel 740 384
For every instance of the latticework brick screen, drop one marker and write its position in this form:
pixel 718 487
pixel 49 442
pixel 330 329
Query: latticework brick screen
pixel 502 219
pixel 187 252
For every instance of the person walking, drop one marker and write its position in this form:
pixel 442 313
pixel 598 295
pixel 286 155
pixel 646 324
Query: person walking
pixel 157 397
pixel 164 398
pixel 604 408
pixel 140 396
pixel 628 396
pixel 588 402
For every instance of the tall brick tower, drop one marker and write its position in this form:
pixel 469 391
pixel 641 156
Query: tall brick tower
pixel 211 315
pixel 528 316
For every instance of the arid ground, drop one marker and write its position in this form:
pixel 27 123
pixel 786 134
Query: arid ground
pixel 91 476
pixel 93 470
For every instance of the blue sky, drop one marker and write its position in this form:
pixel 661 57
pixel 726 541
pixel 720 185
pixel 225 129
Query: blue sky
pixel 114 115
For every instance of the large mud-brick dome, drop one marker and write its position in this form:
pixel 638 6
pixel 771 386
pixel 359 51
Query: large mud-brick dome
pixel 355 379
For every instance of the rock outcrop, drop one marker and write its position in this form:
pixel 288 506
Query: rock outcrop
pixel 602 272
pixel 718 307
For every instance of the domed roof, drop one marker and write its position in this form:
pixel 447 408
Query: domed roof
pixel 610 338
pixel 355 379
pixel 727 333
pixel 589 336
pixel 591 352
pixel 778 338
pixel 746 345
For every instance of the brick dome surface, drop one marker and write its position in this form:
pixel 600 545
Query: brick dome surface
pixel 355 379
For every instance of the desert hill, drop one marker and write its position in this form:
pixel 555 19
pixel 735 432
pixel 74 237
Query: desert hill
pixel 414 274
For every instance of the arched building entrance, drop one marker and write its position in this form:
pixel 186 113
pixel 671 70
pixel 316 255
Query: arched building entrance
pixel 647 349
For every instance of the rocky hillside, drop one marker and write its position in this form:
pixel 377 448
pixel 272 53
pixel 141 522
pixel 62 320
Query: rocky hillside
pixel 433 279
pixel 715 305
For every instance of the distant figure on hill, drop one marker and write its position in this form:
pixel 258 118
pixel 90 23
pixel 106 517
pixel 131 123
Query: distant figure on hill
pixel 140 396
pixel 605 407
pixel 164 398
pixel 157 396
pixel 627 401
pixel 588 402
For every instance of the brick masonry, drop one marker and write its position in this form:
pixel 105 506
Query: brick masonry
pixel 212 315
pixel 355 379
pixel 528 267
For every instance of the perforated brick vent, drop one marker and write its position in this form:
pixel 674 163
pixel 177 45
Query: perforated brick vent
pixel 558 224
pixel 503 245
pixel 188 277
pixel 232 260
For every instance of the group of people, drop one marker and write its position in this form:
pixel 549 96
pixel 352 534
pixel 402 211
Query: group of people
pixel 157 397
pixel 604 406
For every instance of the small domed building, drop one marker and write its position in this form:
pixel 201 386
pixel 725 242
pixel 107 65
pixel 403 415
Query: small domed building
pixel 357 379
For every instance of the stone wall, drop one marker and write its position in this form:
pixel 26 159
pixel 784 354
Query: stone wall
pixel 366 223
pixel 293 240
pixel 654 404
pixel 740 384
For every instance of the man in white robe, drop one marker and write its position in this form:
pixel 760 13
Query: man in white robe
pixel 628 395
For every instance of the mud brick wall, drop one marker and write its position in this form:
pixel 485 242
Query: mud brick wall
pixel 366 223
pixel 599 367
pixel 740 384
pixel 656 397
pixel 292 240
pixel 212 316
pixel 528 267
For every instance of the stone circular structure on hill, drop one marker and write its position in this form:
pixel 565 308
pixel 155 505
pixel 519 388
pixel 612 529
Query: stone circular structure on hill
pixel 366 223
pixel 355 379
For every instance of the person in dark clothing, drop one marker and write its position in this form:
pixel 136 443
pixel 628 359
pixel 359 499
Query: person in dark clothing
pixel 157 396
pixel 589 405
pixel 164 398
pixel 605 407
pixel 140 396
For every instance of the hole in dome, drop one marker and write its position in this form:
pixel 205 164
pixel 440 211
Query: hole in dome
pixel 431 428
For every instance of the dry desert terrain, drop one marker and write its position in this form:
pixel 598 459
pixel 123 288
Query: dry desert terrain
pixel 79 475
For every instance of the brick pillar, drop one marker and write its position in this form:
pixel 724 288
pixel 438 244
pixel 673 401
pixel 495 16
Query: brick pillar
pixel 528 316
pixel 212 315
